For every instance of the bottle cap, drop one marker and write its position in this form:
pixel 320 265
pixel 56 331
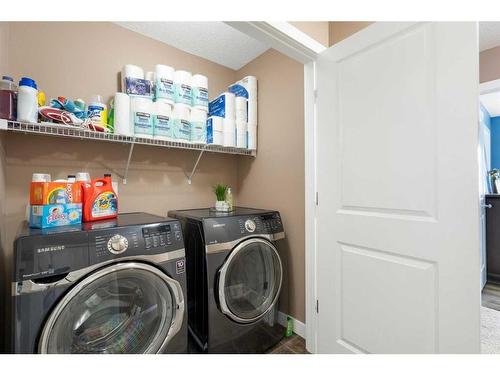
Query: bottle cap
pixel 107 174
pixel 26 81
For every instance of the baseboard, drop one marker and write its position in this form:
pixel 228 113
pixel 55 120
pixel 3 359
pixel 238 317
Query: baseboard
pixel 298 327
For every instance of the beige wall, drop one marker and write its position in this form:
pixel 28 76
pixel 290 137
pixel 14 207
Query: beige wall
pixel 95 53
pixel 489 65
pixel 276 178
pixel 317 30
pixel 339 30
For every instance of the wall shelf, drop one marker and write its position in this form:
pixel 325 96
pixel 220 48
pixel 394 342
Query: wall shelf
pixel 68 131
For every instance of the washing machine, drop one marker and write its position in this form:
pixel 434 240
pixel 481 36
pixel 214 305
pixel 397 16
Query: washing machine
pixel 113 286
pixel 235 277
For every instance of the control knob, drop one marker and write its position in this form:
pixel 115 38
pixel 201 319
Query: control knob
pixel 250 225
pixel 117 244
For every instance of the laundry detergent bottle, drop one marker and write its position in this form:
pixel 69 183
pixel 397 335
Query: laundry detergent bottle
pixel 99 199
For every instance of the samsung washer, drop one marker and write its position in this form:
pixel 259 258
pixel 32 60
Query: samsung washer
pixel 113 286
pixel 235 278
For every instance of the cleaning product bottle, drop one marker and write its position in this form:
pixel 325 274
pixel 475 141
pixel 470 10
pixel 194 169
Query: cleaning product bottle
pixel 99 200
pixel 229 199
pixel 8 98
pixel 27 101
pixel 98 111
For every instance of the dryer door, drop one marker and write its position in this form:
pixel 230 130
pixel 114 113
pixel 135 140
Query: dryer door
pixel 122 308
pixel 250 280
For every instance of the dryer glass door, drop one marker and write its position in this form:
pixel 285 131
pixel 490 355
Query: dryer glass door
pixel 123 308
pixel 250 280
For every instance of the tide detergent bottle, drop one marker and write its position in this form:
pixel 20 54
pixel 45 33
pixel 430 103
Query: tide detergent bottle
pixel 99 199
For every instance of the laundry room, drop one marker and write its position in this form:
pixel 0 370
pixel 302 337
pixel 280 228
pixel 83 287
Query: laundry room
pixel 72 67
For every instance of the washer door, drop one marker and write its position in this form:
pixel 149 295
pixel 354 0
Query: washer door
pixel 250 280
pixel 122 308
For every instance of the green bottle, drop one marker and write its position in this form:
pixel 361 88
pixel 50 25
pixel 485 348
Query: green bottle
pixel 289 327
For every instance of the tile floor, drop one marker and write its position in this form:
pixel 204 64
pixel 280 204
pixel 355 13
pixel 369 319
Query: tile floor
pixel 290 345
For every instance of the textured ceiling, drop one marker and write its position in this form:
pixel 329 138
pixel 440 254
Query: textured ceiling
pixel 489 35
pixel 214 41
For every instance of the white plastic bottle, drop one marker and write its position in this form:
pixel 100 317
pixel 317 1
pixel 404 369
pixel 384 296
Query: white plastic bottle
pixel 97 110
pixel 27 101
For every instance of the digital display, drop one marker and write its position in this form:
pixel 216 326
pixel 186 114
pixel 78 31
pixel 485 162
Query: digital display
pixel 151 231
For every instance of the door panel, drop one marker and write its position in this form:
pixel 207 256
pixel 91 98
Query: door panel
pixel 398 233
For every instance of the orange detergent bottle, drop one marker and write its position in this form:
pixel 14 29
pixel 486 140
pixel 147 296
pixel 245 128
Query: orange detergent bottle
pixel 99 199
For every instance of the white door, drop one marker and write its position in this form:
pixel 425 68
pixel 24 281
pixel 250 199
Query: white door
pixel 398 215
pixel 484 168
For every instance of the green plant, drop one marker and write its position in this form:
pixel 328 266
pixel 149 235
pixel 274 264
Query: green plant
pixel 220 191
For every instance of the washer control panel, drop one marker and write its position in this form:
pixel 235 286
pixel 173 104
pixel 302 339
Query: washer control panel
pixel 250 226
pixel 267 223
pixel 135 240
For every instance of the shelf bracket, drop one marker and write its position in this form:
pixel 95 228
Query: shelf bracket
pixel 124 179
pixel 190 177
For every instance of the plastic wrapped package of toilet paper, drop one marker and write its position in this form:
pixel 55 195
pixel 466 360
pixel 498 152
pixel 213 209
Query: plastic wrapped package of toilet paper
pixel 241 134
pixel 164 83
pixel 250 84
pixel 181 126
pixel 252 136
pixel 182 87
pixel 200 92
pixel 241 109
pixel 141 113
pixel 198 126
pixel 162 121
pixel 229 130
pixel 122 114
pixel 215 133
pixel 223 106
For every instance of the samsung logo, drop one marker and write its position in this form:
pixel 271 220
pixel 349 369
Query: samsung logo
pixel 49 248
pixel 219 225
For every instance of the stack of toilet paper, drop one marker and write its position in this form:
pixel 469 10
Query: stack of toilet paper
pixel 236 110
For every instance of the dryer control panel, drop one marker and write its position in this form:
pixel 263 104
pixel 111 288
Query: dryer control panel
pixel 135 241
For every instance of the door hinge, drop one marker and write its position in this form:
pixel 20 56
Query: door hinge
pixel 317 198
pixel 317 306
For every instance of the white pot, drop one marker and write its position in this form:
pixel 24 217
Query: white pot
pixel 221 206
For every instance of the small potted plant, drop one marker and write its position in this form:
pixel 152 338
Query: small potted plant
pixel 220 192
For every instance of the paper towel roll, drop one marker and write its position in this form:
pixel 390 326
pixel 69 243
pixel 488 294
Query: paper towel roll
pixel 250 84
pixel 141 112
pixel 215 133
pixel 131 71
pixel 252 112
pixel 122 114
pixel 181 128
pixel 241 134
pixel 199 85
pixel 182 87
pixel 198 126
pixel 241 109
pixel 252 136
pixel 164 83
pixel 162 120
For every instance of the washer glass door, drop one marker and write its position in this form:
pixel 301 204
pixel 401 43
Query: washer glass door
pixel 250 280
pixel 124 308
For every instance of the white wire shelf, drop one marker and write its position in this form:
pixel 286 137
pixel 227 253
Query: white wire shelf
pixel 68 131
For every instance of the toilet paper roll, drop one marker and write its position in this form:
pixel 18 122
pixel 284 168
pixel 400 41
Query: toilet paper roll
pixel 131 71
pixel 250 84
pixel 241 109
pixel 252 112
pixel 241 134
pixel 215 133
pixel 229 139
pixel 181 124
pixel 228 125
pixel 164 83
pixel 198 126
pixel 141 113
pixel 122 114
pixel 183 87
pixel 252 136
